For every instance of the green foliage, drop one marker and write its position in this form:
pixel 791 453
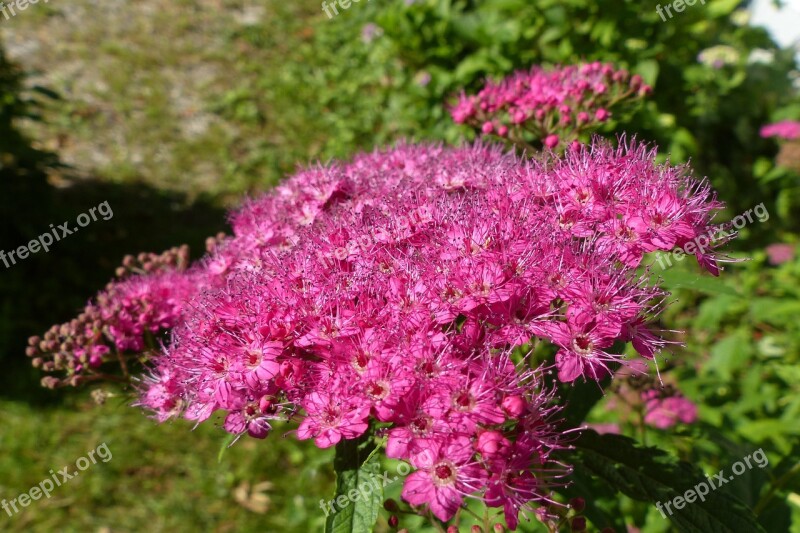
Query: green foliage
pixel 651 475
pixel 380 72
pixel 746 349
pixel 357 469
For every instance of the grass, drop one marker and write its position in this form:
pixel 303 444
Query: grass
pixel 160 477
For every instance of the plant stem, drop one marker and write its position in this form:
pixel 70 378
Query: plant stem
pixel 775 487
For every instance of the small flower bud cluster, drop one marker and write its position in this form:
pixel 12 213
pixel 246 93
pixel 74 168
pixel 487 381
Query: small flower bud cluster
pixel 148 299
pixel 548 108
pixel 666 407
pixel 663 404
pixel 149 263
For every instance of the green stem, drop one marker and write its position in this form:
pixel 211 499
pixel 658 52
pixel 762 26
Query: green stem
pixel 775 487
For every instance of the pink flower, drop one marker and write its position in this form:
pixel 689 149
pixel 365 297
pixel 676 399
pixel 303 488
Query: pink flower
pixel 582 342
pixel 447 472
pixel 539 99
pixel 780 253
pixel 329 420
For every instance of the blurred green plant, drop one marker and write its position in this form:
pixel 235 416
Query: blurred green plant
pixel 383 71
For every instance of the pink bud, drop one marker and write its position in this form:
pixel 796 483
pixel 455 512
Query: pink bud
pixel 491 444
pixel 551 141
pixel 264 404
pixel 602 114
pixel 487 128
pixel 514 406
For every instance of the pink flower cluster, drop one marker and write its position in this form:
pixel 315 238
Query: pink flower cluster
pixel 664 410
pixel 128 316
pixel 551 107
pixel 786 129
pixel 422 330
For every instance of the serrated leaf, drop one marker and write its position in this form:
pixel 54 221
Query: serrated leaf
pixel 358 486
pixel 652 475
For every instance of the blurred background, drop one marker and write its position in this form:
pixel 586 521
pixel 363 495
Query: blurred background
pixel 173 111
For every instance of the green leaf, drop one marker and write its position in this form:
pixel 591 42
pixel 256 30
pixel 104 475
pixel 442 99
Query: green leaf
pixel 652 475
pixel 648 70
pixel 730 354
pixel 579 397
pixel 776 311
pixel 680 279
pixel 358 487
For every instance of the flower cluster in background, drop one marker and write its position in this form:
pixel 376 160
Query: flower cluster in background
pixel 785 129
pixel 549 108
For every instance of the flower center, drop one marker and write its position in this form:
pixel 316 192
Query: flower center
pixel 582 344
pixel 331 416
pixel 444 473
pixel 421 425
pixel 428 369
pixel 251 411
pixel 360 362
pixel 254 358
pixel 463 401
pixel 659 220
pixel 377 390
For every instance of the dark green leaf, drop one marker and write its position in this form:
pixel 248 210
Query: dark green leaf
pixel 358 487
pixel 652 475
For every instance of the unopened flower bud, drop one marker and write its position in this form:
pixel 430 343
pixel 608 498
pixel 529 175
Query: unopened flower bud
pixel 391 506
pixel 492 445
pixel 50 382
pixel 578 504
pixel 514 405
pixel 578 523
